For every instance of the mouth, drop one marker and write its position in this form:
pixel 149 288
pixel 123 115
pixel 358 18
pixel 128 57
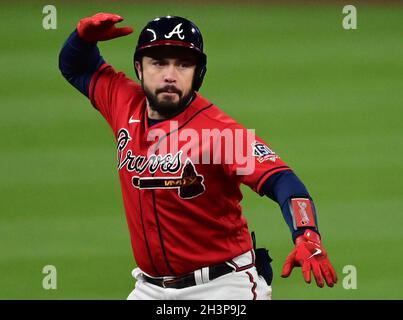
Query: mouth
pixel 169 91
pixel 170 94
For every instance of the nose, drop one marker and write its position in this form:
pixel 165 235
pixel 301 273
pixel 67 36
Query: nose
pixel 170 74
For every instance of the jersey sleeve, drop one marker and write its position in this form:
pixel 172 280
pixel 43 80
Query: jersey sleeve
pixel 110 91
pixel 254 160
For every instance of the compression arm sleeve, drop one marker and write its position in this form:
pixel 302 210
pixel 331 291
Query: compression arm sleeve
pixel 78 61
pixel 283 187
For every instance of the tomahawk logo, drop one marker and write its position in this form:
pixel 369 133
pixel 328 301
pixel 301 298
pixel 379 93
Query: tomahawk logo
pixel 177 30
pixel 189 184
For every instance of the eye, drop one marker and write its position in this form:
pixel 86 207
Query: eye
pixel 185 64
pixel 158 63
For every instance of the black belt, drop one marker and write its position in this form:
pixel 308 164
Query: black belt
pixel 188 280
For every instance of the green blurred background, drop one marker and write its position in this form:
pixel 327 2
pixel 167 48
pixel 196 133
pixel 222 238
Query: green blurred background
pixel 328 100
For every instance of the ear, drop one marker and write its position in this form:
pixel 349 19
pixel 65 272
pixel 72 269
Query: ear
pixel 139 69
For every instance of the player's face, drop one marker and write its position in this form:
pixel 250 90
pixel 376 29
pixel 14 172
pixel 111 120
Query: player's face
pixel 167 76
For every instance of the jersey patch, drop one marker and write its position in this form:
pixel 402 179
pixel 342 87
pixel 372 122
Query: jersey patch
pixel 302 213
pixel 263 152
pixel 189 184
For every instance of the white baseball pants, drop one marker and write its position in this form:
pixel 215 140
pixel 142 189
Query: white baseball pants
pixel 244 284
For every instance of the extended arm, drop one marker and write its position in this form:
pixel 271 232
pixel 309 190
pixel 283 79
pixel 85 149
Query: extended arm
pixel 299 213
pixel 285 186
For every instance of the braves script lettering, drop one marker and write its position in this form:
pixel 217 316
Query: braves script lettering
pixel 167 163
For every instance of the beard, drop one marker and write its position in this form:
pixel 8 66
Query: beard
pixel 166 106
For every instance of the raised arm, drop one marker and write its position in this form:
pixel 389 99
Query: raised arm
pixel 79 58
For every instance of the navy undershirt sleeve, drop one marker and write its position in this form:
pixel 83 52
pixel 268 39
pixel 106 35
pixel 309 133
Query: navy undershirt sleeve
pixel 78 61
pixel 281 187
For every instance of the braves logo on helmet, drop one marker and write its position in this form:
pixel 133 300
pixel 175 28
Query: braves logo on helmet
pixel 177 30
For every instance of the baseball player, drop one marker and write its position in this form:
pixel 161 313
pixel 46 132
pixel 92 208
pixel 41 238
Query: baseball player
pixel 181 186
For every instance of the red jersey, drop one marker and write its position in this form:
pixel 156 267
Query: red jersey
pixel 181 189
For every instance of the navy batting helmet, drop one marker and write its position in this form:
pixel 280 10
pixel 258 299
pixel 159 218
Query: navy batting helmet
pixel 174 31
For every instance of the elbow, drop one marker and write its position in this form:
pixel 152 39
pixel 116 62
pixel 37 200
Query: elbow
pixel 67 67
pixel 64 68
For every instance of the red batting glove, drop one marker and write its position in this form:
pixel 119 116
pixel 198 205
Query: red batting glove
pixel 101 27
pixel 310 255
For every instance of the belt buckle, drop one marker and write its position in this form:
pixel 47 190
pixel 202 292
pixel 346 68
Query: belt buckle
pixel 167 282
